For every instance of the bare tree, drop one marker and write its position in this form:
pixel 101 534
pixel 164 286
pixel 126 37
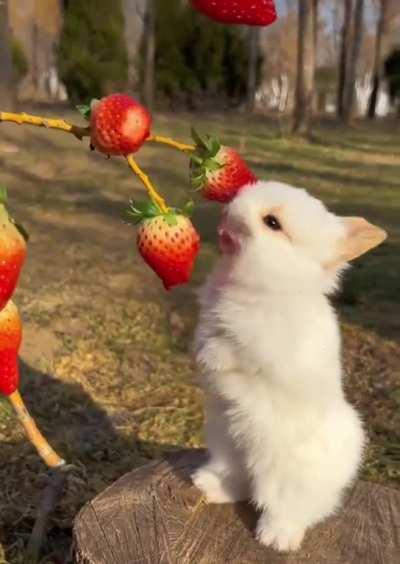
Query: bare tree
pixel 134 11
pixel 7 90
pixel 150 44
pixel 254 38
pixel 346 41
pixel 305 88
pixel 349 96
pixel 377 71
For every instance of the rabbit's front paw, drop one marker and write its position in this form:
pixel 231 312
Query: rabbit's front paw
pixel 212 486
pixel 281 536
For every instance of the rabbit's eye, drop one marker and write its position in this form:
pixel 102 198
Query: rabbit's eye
pixel 272 222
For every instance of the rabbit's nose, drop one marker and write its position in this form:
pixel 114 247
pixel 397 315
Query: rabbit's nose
pixel 231 232
pixel 227 242
pixel 234 224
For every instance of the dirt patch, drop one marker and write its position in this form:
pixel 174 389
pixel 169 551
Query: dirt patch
pixel 39 345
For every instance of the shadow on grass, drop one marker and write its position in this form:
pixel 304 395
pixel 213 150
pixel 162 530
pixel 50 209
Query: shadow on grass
pixel 85 436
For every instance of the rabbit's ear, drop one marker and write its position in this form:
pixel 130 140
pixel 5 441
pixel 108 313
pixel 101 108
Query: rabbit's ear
pixel 360 238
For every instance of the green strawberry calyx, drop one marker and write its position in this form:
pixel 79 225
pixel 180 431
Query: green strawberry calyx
pixel 203 160
pixel 140 211
pixel 84 110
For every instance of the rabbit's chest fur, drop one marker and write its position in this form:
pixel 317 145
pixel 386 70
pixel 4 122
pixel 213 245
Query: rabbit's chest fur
pixel 274 363
pixel 286 343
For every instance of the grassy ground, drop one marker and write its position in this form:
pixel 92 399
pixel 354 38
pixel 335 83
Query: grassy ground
pixel 105 368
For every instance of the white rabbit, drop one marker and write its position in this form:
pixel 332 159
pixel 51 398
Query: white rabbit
pixel 279 429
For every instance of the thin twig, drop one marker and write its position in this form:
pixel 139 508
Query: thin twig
pixel 47 453
pixel 49 123
pixel 49 502
pixel 151 190
pixel 172 143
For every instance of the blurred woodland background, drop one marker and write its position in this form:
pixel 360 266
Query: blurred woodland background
pixel 347 56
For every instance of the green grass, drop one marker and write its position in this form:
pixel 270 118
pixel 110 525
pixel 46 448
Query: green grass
pixel 105 364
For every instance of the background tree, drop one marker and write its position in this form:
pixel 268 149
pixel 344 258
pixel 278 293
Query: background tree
pixel 169 66
pixel 92 57
pixel 7 89
pixel 377 70
pixel 279 47
pixel 392 75
pixel 305 89
pixel 202 64
pixel 254 39
pixel 134 12
pixel 349 96
pixel 149 54
pixel 19 61
pixel 345 44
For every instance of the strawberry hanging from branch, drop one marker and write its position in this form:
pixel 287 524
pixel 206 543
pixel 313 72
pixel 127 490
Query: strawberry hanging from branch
pixel 119 125
pixel 218 171
pixel 10 341
pixel 248 12
pixel 12 252
pixel 167 241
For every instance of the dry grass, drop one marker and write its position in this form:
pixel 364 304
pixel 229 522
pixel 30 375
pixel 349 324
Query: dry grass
pixel 105 365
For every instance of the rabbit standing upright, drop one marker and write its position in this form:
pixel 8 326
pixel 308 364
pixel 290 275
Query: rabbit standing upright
pixel 279 429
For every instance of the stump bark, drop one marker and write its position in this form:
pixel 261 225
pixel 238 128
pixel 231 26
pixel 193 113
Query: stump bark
pixel 155 515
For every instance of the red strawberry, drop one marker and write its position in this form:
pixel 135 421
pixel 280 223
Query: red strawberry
pixel 249 12
pixel 10 341
pixel 119 125
pixel 218 171
pixel 168 242
pixel 12 254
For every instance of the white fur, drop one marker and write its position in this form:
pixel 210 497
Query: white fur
pixel 279 429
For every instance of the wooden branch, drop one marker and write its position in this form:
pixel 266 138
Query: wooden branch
pixel 184 147
pixel 155 514
pixel 49 123
pixel 151 189
pixel 51 496
pixel 45 451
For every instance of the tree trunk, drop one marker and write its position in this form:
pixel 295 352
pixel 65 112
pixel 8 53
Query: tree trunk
pixel 346 41
pixel 254 37
pixel 351 75
pixel 155 514
pixel 7 88
pixel 149 34
pixel 305 88
pixel 377 72
pixel 134 11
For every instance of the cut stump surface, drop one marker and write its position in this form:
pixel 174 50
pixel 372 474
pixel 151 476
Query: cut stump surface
pixel 155 515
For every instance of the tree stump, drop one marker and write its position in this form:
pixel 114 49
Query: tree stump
pixel 155 515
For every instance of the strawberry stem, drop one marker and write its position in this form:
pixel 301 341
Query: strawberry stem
pixel 84 110
pixel 151 190
pixel 172 143
pixel 138 211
